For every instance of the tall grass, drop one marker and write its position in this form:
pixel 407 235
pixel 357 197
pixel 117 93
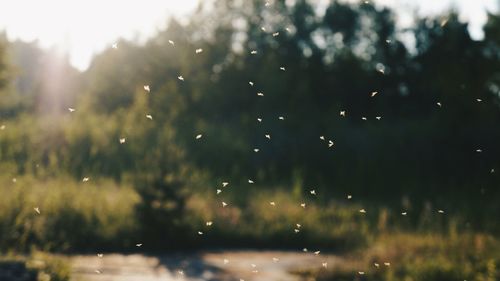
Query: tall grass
pixel 72 215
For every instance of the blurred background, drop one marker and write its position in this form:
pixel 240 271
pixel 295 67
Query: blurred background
pixel 365 129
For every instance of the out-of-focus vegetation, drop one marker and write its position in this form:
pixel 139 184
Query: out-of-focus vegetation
pixel 429 141
pixel 430 257
pixel 38 266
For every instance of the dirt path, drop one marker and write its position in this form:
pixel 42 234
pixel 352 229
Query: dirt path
pixel 213 266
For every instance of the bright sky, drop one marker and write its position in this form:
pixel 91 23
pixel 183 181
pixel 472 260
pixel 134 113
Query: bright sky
pixel 85 27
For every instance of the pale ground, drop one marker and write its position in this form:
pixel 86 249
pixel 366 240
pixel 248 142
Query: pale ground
pixel 213 266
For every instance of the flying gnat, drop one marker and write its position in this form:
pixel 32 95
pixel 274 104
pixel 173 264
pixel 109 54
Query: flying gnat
pixel 199 136
pixel 282 68
pixel 259 119
pixel 209 223
pixel 114 46
pixel 322 138
pixel 225 261
pixel 361 272
pixel 263 29
pixel 330 143
pixel 268 136
pixel 479 100
pixel 180 78
pixel 281 118
pixel 254 52
pixel 224 204
pixel 219 191
pixel 122 140
pixel 388 41
pixel 171 42
pixel 256 150
pixel 342 113
pixel 272 203
pixel 313 192
pixel 438 104
pixel 387 263
pixel 317 252
pixel 149 116
pixel 146 88
pixel 138 245
pixel 224 184
pixel 479 150
pixel 373 94
pixel 325 265
pixel 37 210
pixel 378 117
pixel 296 230
pixel 303 205
pixel 441 211
pixel 276 34
pixel 71 109
pixel 97 271
pixel 260 94
pixel 349 196
pixel 251 83
pixel 100 255
pixel 363 211
pixel 200 233
pixel 276 260
pixel 377 265
pixel 364 118
pixel 250 181
pixel 404 213
pixel 198 51
pixel 85 179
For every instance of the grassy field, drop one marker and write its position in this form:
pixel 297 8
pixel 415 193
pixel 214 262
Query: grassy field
pixel 419 257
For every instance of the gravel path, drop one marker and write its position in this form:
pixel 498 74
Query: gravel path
pixel 213 266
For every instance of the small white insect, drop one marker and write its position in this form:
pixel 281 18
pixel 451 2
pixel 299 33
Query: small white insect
pixel 260 94
pixel 149 116
pixel 254 52
pixel 272 203
pixel 225 261
pixel 171 42
pixel 361 272
pixel 71 109
pixel 85 179
pixel 138 245
pixel 200 233
pixel 479 150
pixel 268 136
pixel 224 204
pixel 114 46
pixel 199 136
pixel 256 150
pixel 304 250
pixel 374 94
pixel 313 192
pixel 288 29
pixel 378 117
pixel 180 78
pixel 100 255
pixel 37 210
pixel 263 28
pixel 376 265
pixel 479 100
pixel 281 118
pixel 303 205
pixel 364 118
pixel 441 211
pixel 325 265
pixel 276 34
pixel 330 143
pixel 97 271
pixel 317 252
pixel 298 225
pixel 276 260
pixel 198 51
pixel 219 191
pixel 251 83
pixel 180 272
pixel 282 68
pixel 404 213
pixel 122 140
pixel 296 230
pixel 363 211
pixel 342 113
pixel 349 196
pixel 250 181
pixel 146 88
pixel 388 41
pixel 224 184
pixel 438 103
pixel 259 119
pixel 321 137
pixel 387 263
pixel 209 223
